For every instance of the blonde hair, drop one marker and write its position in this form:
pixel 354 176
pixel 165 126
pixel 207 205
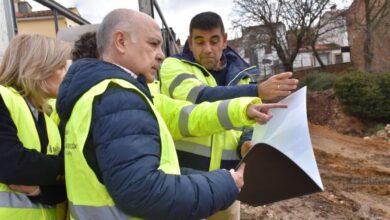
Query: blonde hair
pixel 28 61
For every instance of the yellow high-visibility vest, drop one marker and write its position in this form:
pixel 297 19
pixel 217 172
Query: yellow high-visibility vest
pixel 88 198
pixel 183 80
pixel 14 205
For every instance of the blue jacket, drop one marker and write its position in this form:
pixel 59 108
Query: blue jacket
pixel 122 121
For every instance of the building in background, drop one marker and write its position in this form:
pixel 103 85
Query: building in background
pixel 255 48
pixel 380 36
pixel 7 30
pixel 40 22
pixel 332 46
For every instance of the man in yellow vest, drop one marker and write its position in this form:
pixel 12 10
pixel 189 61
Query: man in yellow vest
pixel 120 160
pixel 209 70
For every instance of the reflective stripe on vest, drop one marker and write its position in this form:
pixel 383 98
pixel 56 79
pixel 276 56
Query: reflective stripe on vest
pixel 16 204
pixel 218 146
pixel 194 93
pixel 15 200
pixel 204 151
pixel 96 213
pixel 222 113
pixel 178 80
pixel 89 199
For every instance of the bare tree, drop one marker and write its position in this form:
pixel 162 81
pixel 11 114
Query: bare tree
pixel 374 20
pixel 328 22
pixel 298 16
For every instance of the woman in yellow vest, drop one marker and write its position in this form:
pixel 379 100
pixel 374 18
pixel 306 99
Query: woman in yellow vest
pixel 31 170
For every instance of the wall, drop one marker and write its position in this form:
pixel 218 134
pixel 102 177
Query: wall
pixel 40 26
pixel 380 43
pixel 4 32
pixel 341 68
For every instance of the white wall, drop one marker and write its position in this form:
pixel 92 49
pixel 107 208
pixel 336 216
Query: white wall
pixel 268 68
pixel 3 31
pixel 4 26
pixel 303 60
pixel 338 32
pixel 346 57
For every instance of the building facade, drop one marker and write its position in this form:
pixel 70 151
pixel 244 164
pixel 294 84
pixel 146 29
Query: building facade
pixel 332 45
pixel 255 48
pixel 40 22
pixel 380 37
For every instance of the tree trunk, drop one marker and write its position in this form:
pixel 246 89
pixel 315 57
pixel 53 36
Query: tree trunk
pixel 317 56
pixel 368 55
pixel 288 67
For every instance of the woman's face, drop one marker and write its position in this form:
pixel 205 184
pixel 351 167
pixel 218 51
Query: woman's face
pixel 54 81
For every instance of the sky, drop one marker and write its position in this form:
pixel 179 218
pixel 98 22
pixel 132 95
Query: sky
pixel 177 13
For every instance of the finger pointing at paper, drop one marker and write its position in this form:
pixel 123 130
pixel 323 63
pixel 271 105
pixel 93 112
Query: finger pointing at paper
pixel 261 112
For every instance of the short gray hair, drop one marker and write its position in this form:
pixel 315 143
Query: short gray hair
pixel 118 19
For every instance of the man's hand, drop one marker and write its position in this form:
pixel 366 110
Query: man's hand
pixel 279 85
pixel 245 148
pixel 29 190
pixel 261 112
pixel 238 176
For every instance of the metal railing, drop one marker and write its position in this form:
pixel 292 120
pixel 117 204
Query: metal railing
pixel 56 9
pixel 147 6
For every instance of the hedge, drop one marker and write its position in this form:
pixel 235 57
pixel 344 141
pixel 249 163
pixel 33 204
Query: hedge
pixel 365 95
pixel 318 81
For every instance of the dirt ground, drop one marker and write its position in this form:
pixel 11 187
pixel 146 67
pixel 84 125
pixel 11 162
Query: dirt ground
pixel 356 177
pixel 355 173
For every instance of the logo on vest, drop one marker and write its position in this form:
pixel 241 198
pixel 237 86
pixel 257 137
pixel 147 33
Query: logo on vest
pixel 53 149
pixel 69 147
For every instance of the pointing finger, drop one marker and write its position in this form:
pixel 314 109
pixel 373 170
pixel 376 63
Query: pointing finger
pixel 274 105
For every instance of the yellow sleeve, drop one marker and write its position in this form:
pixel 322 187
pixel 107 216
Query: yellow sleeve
pixel 185 119
pixel 178 80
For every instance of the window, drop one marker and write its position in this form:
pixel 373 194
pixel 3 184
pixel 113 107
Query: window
pixel 345 49
pixel 338 58
pixel 268 49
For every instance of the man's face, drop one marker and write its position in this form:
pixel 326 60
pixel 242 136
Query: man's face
pixel 144 52
pixel 207 46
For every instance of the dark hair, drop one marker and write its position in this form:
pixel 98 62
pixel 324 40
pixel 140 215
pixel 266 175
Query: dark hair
pixel 85 47
pixel 206 21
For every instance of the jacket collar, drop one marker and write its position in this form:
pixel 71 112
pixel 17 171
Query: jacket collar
pixel 84 74
pixel 236 64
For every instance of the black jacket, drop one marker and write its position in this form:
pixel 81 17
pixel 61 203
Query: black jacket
pixel 22 166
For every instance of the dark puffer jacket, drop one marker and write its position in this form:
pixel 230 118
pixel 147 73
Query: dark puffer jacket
pixel 125 128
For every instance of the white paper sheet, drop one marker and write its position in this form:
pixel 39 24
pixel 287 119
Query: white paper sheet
pixel 288 132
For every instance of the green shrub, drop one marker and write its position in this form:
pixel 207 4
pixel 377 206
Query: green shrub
pixel 365 95
pixel 318 81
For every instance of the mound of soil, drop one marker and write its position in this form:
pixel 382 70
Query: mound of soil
pixel 355 171
pixel 323 108
pixel 356 176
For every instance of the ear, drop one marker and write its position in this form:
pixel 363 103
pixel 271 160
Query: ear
pixel 120 42
pixel 189 39
pixel 224 40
